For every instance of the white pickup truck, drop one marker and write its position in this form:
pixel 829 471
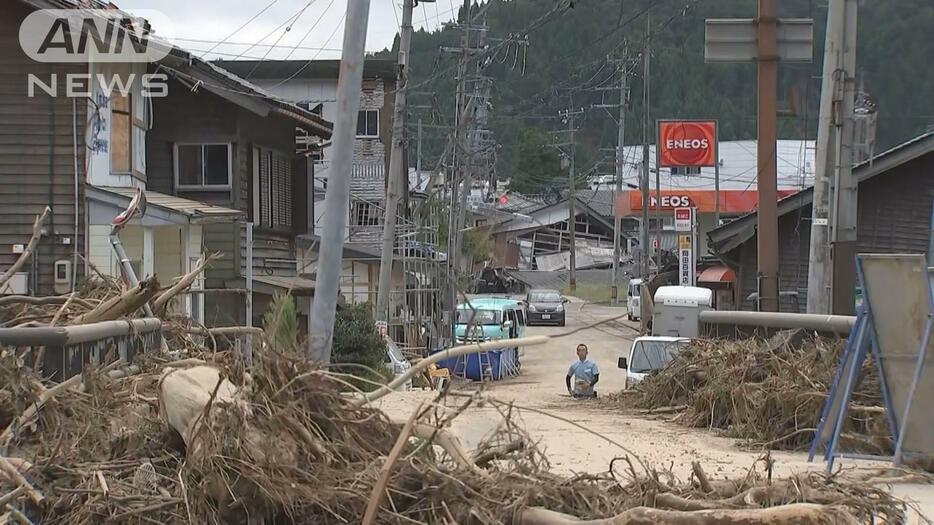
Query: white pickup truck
pixel 649 353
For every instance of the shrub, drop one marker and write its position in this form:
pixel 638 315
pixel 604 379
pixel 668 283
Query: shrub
pixel 357 342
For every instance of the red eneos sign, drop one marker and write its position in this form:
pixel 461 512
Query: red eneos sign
pixel 504 200
pixel 687 143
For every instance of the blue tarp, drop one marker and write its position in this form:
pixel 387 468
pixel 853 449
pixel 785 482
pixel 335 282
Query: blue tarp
pixel 503 363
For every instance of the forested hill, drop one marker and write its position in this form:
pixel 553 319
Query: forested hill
pixel 566 59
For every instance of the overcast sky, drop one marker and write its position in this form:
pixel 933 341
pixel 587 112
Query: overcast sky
pixel 199 24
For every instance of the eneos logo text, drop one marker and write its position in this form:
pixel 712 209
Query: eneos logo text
pixel 687 143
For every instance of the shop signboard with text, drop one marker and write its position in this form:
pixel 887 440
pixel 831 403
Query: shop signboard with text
pixel 687 143
pixel 731 201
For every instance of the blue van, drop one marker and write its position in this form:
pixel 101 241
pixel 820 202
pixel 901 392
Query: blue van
pixel 488 319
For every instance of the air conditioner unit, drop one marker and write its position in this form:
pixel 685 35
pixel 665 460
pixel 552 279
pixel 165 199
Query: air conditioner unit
pixel 17 285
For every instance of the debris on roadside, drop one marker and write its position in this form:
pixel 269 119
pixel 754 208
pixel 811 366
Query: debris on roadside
pixel 769 392
pixel 195 436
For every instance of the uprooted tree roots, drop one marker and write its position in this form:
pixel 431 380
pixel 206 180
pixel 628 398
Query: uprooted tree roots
pixel 768 392
pixel 203 442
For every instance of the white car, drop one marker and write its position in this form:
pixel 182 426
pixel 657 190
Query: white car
pixel 648 354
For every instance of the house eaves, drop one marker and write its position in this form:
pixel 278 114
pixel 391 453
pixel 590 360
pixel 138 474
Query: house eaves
pixel 164 208
pixel 729 236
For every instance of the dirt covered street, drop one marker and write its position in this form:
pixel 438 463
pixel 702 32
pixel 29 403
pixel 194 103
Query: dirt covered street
pixel 584 436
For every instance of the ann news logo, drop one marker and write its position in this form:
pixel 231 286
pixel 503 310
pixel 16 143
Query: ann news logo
pixel 95 36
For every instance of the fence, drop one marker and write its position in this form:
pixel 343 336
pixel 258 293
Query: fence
pixel 65 351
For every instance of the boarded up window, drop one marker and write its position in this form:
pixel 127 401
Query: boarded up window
pixel 121 134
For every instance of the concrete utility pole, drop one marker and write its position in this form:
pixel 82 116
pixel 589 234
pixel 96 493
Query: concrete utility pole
pixel 831 273
pixel 618 189
pixel 396 185
pixel 646 133
pixel 568 116
pixel 337 196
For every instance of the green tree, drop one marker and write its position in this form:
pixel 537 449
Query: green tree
pixel 357 342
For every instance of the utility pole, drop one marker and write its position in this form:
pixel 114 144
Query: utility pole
pixel 337 196
pixel 646 126
pixel 618 189
pixel 395 186
pixel 831 273
pixel 569 115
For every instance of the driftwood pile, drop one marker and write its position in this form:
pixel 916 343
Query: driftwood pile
pixel 769 392
pixel 196 441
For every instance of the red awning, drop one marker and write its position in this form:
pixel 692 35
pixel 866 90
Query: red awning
pixel 717 274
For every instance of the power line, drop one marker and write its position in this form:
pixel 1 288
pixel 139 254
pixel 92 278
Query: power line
pixel 288 27
pixel 235 31
pixel 312 28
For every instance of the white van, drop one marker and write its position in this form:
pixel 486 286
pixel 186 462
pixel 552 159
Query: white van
pixel 650 353
pixel 677 310
pixel 634 299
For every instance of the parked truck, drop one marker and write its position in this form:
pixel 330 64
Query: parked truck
pixel 677 310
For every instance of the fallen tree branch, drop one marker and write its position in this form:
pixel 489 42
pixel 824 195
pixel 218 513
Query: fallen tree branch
pixel 30 247
pixel 376 495
pixel 701 476
pixel 40 301
pixel 456 351
pixel 15 475
pixel 226 330
pixel 487 456
pixel 121 305
pixel 796 514
pixel 12 495
pixel 158 306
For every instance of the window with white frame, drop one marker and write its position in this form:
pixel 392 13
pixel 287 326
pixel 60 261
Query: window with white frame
pixel 365 214
pixel 368 123
pixel 202 166
pixel 272 189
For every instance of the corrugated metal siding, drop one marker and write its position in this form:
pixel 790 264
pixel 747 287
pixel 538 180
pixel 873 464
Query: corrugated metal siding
pixel 893 217
pixel 37 155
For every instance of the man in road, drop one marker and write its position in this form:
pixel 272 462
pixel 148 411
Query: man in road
pixel 585 374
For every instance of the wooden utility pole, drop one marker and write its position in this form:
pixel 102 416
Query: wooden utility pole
pixel 767 235
pixel 396 184
pixel 337 196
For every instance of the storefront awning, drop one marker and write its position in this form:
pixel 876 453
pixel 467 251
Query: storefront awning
pixel 717 274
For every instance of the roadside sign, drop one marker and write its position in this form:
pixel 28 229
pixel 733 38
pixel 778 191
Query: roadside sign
pixel 504 200
pixel 684 219
pixel 684 143
pixel 686 262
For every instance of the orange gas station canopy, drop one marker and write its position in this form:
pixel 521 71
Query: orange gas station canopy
pixel 731 201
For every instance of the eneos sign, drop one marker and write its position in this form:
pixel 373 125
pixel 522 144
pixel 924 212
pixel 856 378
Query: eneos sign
pixel 687 143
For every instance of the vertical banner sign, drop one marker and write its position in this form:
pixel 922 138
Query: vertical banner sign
pixel 687 264
pixel 683 222
pixel 685 260
pixel 687 143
